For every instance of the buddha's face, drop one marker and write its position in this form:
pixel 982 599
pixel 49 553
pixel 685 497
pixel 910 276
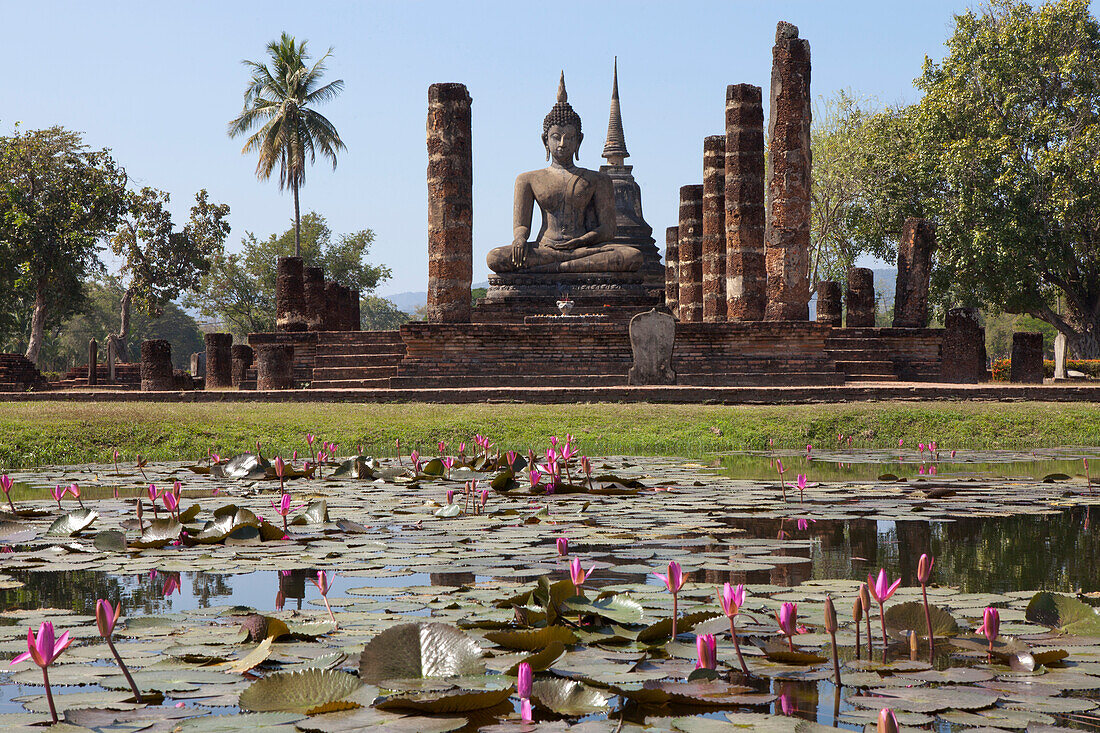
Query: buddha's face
pixel 563 141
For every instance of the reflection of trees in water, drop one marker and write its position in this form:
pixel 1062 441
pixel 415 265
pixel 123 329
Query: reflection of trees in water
pixel 208 586
pixel 78 590
pixel 978 554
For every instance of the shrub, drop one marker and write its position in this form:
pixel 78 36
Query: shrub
pixel 1002 368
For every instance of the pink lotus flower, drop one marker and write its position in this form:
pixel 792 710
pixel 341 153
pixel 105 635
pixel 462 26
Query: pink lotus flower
pixel 415 458
pixel 524 684
pixel 448 462
pixel 924 568
pixel 44 649
pixel 924 574
pixel 171 503
pixel 310 437
pixel 534 477
pixel 294 455
pixel 524 680
pixel 283 508
pixel 991 625
pixel 511 457
pixel 442 447
pixel 280 469
pixel 577 574
pixel 554 441
pixel 58 494
pixel 5 486
pixel 801 486
pixel 952 454
pixel 787 616
pixel 484 497
pixel 106 617
pixel 887 721
pixel 881 589
pixel 731 599
pixel 322 583
pixel 674 580
pixel 563 546
pixel 901 442
pixel 706 652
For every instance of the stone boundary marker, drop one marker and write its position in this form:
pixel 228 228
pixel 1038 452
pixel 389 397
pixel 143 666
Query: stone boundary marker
pixel 864 392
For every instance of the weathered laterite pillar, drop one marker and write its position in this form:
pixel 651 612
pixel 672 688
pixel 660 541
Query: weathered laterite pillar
pixel 691 246
pixel 828 303
pixel 1027 358
pixel 93 363
pixel 313 293
pixel 274 366
pixel 242 362
pixel 787 237
pixel 330 319
pixel 714 228
pixel 963 347
pixel 289 302
pixel 219 360
pixel 860 298
pixel 355 315
pixel 746 278
pixel 918 241
pixel 156 365
pixel 450 204
pixel 672 270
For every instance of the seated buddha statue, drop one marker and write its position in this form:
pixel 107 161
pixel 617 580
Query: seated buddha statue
pixel 578 209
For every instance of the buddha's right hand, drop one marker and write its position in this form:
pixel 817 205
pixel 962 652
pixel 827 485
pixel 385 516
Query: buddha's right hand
pixel 519 253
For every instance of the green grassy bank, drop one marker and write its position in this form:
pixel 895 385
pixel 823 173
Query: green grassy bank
pixel 38 433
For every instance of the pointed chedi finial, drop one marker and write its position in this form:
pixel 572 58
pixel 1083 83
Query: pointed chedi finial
pixel 615 148
pixel 562 95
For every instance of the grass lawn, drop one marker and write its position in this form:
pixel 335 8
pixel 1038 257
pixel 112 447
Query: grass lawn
pixel 39 433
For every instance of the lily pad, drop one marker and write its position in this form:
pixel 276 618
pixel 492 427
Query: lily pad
pixel 69 524
pixel 451 701
pixel 567 697
pixel 619 608
pixel 303 691
pixel 420 650
pixel 1063 612
pixel 110 540
pixel 909 616
pixel 532 639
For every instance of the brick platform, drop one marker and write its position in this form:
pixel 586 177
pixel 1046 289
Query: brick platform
pixel 18 374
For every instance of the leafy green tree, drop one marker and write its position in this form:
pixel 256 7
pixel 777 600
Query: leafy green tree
pixel 57 200
pixel 842 189
pixel 278 100
pixel 379 314
pixel 1003 153
pixel 240 289
pixel 158 262
pixel 65 345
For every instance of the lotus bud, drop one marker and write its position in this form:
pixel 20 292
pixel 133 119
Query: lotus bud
pixel 865 597
pixel 857 610
pixel 830 616
pixel 924 568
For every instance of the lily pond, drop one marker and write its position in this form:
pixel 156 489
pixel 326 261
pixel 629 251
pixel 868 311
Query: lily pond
pixel 536 593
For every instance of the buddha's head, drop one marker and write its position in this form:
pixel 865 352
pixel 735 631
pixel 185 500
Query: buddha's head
pixel 561 129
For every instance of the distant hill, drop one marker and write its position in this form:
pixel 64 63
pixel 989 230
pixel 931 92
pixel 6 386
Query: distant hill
pixel 410 300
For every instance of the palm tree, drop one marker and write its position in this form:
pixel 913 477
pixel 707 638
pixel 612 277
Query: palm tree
pixel 277 99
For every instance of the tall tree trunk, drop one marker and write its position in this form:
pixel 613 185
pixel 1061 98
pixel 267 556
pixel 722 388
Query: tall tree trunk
pixel 38 323
pixel 297 225
pixel 124 324
pixel 1086 344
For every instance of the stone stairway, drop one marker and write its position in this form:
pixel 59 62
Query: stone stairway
pixel 18 374
pixel 356 359
pixel 886 354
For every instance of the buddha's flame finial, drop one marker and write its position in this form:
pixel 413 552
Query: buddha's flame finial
pixel 562 95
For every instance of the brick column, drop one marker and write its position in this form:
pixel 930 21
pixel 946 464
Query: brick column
pixel 714 228
pixel 156 365
pixel 746 278
pixel 354 316
pixel 828 303
pixel 860 298
pixel 672 270
pixel 274 366
pixel 330 320
pixel 93 363
pixel 787 235
pixel 219 360
pixel 963 347
pixel 450 204
pixel 289 303
pixel 691 246
pixel 313 294
pixel 1027 358
pixel 918 241
pixel 242 362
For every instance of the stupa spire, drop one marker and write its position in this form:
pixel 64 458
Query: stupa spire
pixel 615 148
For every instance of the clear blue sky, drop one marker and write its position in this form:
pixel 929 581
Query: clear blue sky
pixel 157 82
